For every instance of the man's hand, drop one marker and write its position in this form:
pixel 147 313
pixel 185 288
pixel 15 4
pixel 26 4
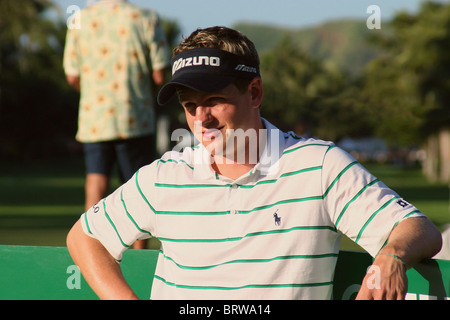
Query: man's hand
pixel 74 82
pixel 411 241
pixel 385 280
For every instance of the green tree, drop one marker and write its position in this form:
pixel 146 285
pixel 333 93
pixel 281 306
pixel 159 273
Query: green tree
pixel 38 110
pixel 300 90
pixel 289 87
pixel 408 88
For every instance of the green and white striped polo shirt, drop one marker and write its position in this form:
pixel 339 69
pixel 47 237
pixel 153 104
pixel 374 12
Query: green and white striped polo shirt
pixel 271 234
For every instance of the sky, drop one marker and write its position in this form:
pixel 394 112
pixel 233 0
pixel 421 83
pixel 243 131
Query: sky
pixel 192 14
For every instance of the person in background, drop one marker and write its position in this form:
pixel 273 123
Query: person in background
pixel 115 59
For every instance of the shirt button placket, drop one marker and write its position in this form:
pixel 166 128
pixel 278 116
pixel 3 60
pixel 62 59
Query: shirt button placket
pixel 232 198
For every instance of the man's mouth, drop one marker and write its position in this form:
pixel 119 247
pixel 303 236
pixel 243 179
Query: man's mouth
pixel 210 134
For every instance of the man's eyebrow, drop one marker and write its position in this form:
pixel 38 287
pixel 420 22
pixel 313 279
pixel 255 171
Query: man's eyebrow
pixel 181 95
pixel 183 91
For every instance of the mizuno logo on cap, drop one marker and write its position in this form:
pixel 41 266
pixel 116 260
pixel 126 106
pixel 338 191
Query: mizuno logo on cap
pixel 243 67
pixel 195 61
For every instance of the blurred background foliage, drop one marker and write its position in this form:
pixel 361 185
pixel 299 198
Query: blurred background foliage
pixel 335 81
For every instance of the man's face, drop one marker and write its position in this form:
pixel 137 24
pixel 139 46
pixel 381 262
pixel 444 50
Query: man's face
pixel 213 117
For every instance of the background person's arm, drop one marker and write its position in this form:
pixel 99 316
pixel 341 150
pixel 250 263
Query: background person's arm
pixel 158 77
pixel 101 271
pixel 74 82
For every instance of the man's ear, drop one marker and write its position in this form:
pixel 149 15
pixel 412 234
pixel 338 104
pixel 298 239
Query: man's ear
pixel 255 89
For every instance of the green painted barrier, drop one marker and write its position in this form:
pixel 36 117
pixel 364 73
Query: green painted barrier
pixel 48 273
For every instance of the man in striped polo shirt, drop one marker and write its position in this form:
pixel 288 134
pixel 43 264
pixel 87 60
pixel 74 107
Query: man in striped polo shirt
pixel 251 212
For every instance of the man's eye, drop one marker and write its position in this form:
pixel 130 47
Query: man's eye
pixel 189 107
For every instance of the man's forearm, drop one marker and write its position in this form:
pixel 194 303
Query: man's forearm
pixel 413 240
pixel 101 271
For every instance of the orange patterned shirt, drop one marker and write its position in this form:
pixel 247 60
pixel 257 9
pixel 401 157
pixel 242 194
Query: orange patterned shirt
pixel 114 51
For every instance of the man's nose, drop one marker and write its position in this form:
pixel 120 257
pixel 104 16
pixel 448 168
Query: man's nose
pixel 203 114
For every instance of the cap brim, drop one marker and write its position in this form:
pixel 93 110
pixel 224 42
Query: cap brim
pixel 203 82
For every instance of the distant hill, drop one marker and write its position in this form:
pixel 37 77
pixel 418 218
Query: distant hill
pixel 341 43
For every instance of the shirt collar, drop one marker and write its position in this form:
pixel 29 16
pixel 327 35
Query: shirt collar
pixel 269 161
pixel 202 164
pixel 267 165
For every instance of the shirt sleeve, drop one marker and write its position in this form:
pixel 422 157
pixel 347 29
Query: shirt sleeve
pixel 361 206
pixel 71 63
pixel 123 217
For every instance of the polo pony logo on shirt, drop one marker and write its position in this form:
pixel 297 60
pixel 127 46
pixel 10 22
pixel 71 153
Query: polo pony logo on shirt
pixel 277 218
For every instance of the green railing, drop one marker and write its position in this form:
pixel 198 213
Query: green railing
pixel 46 273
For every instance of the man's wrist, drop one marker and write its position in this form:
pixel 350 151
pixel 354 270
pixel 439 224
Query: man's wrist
pixel 395 257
